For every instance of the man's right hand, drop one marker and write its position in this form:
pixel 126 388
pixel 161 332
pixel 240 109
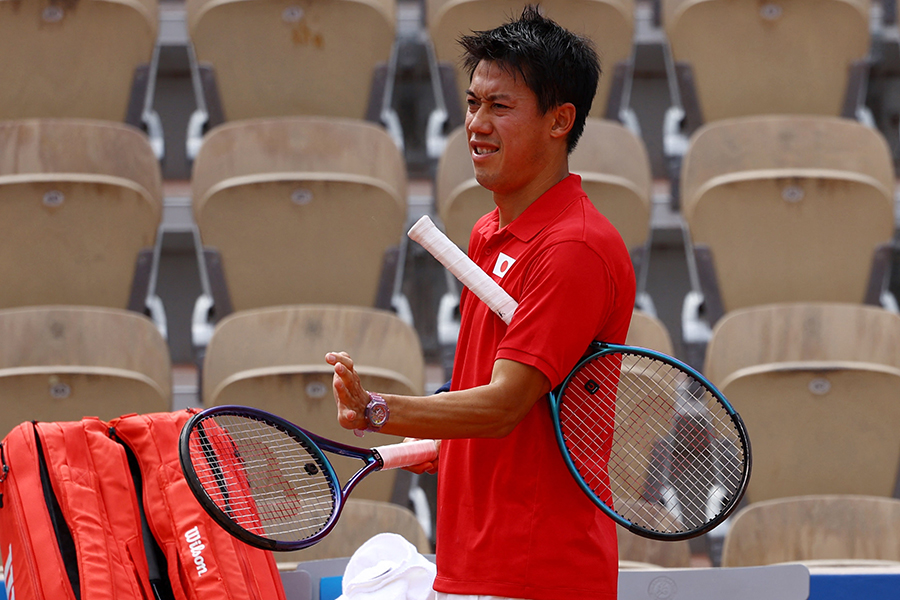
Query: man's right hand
pixel 429 467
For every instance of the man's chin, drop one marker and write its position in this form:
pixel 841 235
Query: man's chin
pixel 486 180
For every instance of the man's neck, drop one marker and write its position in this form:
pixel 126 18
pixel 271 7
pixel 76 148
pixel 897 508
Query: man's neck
pixel 513 205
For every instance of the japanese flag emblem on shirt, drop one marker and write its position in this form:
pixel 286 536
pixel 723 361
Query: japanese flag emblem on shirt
pixel 504 262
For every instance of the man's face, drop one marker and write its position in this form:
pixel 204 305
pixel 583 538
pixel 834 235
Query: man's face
pixel 508 136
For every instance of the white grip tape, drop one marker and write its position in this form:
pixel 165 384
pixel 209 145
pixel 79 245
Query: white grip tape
pixel 407 454
pixel 463 268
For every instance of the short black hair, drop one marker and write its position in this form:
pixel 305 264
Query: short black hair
pixel 556 64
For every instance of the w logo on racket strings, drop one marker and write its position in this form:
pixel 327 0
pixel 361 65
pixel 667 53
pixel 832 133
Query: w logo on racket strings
pixel 196 545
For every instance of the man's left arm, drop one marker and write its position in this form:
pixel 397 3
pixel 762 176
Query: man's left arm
pixel 491 410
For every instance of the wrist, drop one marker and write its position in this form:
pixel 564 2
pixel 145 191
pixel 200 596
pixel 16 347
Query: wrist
pixel 377 413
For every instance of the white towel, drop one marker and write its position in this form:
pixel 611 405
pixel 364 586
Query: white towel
pixel 388 567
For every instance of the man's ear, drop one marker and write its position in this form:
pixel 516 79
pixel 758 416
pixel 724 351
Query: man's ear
pixel 564 118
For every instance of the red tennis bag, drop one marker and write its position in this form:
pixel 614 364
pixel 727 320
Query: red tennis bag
pixel 94 511
pixel 204 561
pixel 70 525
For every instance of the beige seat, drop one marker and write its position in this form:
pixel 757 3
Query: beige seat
pixel 784 209
pixel 779 57
pixel 292 58
pixel 802 332
pixel 647 331
pixel 637 549
pixel 609 23
pixel 75 59
pixel 274 359
pixel 842 529
pixel 80 204
pixel 361 520
pixel 299 210
pixel 613 164
pixel 817 386
pixel 60 363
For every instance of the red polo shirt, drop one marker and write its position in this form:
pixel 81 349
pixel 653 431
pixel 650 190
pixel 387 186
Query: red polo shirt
pixel 511 519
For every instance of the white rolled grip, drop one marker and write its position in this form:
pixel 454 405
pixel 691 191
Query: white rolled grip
pixel 463 268
pixel 407 454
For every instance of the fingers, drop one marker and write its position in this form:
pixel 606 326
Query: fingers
pixel 430 468
pixel 349 395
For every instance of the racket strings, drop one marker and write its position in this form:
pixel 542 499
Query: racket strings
pixel 267 481
pixel 651 442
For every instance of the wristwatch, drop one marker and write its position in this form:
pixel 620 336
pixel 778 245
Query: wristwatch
pixel 377 412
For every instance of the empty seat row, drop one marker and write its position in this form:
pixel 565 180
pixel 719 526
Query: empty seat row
pixel 312 210
pixel 258 59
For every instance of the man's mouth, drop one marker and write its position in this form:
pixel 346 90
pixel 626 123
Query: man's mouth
pixel 480 151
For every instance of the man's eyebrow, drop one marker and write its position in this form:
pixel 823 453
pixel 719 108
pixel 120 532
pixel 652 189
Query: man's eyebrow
pixel 490 97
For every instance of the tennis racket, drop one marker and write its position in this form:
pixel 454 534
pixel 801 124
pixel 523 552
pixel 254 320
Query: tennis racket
pixel 648 438
pixel 268 482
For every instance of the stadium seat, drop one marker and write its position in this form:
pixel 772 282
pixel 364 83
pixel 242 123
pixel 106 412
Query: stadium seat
pixel 609 23
pixel 842 529
pixel 259 59
pixel 60 363
pixel 647 331
pixel 360 521
pixel 274 359
pixel 664 554
pixel 302 210
pixel 89 60
pixel 80 205
pixel 734 58
pixel 817 386
pixel 785 209
pixel 782 57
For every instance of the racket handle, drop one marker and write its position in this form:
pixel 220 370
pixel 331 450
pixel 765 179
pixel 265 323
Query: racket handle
pixel 463 268
pixel 407 454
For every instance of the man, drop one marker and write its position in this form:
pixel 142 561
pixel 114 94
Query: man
pixel 511 520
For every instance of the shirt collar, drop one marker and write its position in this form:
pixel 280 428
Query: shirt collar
pixel 541 212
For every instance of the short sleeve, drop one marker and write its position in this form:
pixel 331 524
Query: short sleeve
pixel 565 301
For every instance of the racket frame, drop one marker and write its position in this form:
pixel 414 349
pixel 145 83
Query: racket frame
pixel 599 349
pixel 314 443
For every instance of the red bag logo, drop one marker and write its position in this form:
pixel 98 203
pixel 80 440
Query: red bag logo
pixel 195 543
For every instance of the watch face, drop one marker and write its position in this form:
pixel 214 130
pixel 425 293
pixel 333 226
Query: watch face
pixel 378 415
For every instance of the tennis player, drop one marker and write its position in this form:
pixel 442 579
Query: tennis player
pixel 512 522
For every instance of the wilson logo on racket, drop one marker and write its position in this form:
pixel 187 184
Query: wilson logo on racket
pixel 591 387
pixel 268 474
pixel 196 546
